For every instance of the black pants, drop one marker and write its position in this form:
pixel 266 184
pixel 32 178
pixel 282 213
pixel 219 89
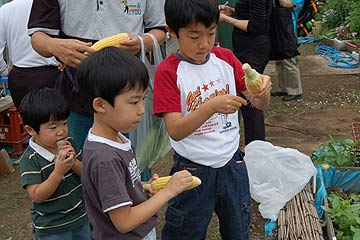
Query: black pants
pixel 254 127
pixel 254 51
pixel 24 80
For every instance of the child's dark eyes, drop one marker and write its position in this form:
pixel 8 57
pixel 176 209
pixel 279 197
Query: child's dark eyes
pixel 194 38
pixel 138 100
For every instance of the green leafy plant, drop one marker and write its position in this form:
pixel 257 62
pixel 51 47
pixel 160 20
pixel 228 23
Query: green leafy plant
pixel 354 16
pixel 342 32
pixel 335 12
pixel 318 16
pixel 345 213
pixel 340 152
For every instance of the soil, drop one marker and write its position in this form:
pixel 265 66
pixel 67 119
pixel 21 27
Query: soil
pixel 331 102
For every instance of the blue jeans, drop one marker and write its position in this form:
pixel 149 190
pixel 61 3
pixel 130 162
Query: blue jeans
pixel 224 190
pixel 80 233
pixel 79 126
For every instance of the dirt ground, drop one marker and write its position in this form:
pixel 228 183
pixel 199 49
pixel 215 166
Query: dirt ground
pixel 331 101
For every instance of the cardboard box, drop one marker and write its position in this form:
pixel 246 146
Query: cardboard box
pixel 5 164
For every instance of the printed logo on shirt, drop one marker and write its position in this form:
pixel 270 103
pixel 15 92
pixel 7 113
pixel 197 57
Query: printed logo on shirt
pixel 194 100
pixel 134 171
pixel 132 9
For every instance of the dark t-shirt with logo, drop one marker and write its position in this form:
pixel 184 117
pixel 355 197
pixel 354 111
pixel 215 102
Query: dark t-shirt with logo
pixel 111 179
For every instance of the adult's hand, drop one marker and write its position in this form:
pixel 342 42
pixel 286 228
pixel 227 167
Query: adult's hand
pixel 132 45
pixel 70 51
pixel 226 10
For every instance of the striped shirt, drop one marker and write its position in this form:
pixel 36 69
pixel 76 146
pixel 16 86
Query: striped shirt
pixel 65 209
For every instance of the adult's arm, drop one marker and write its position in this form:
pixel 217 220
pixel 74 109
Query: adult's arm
pixel 159 34
pixel 241 24
pixel 286 3
pixel 256 24
pixel 68 51
pixel 134 45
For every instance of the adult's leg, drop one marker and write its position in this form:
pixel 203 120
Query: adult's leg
pixel 292 76
pixel 254 127
pixel 280 73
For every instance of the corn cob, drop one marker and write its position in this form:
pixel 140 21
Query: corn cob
pixel 161 182
pixel 60 144
pixel 111 41
pixel 253 80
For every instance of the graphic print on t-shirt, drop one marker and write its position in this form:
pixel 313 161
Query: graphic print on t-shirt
pixel 132 9
pixel 134 171
pixel 195 98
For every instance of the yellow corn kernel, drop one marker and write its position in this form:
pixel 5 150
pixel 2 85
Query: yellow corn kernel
pixel 161 182
pixel 111 41
pixel 253 80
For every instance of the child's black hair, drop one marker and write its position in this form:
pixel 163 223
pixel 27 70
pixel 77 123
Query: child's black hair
pixel 108 73
pixel 43 105
pixel 181 13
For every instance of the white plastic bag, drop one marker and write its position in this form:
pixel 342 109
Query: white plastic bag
pixel 276 175
pixel 150 137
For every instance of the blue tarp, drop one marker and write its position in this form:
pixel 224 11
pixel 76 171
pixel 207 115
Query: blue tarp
pixel 347 179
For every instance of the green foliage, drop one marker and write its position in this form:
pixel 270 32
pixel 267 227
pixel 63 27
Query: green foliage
pixel 318 16
pixel 345 215
pixel 337 14
pixel 354 16
pixel 340 152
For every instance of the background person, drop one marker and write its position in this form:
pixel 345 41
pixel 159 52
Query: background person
pixel 66 29
pixel 251 44
pixel 288 73
pixel 30 70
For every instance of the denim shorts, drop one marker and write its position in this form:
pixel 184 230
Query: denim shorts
pixel 224 190
pixel 80 233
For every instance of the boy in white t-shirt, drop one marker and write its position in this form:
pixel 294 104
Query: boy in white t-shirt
pixel 195 91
